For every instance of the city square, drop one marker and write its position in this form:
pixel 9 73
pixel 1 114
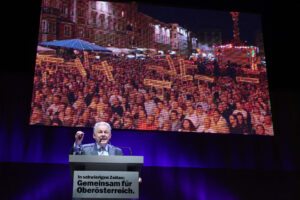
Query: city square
pixel 150 74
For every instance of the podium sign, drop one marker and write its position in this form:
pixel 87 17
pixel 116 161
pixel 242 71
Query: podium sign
pixel 106 184
pixel 105 177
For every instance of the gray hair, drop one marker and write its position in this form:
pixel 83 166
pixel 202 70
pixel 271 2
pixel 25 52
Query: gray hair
pixel 102 123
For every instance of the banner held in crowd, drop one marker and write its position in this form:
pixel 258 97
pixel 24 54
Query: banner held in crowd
pixel 247 79
pixel 157 83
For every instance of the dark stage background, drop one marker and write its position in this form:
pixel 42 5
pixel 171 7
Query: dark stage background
pixel 34 159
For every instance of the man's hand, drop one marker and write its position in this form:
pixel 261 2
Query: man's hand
pixel 79 137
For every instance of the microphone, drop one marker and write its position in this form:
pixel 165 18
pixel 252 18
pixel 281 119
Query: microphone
pixel 125 148
pixel 130 150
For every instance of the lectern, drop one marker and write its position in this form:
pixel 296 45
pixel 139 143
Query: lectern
pixel 105 177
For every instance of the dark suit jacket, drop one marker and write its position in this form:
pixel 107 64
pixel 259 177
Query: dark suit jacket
pixel 91 149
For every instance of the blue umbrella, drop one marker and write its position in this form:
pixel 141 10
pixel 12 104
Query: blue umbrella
pixel 75 44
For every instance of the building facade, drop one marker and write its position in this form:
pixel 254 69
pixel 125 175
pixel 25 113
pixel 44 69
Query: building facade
pixel 109 24
pixel 99 22
pixel 180 39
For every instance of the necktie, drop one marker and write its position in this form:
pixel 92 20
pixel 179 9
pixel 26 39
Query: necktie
pixel 102 151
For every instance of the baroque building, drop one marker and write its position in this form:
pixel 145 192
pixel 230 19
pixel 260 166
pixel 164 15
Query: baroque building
pixel 109 24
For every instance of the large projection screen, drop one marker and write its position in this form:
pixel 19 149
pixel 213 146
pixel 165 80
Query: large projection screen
pixel 151 68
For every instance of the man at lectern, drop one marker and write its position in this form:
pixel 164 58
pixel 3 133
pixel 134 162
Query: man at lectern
pixel 102 135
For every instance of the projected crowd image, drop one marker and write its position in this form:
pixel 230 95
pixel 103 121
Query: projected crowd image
pixel 124 64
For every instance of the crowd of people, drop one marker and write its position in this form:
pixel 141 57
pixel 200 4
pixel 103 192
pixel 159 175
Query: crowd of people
pixel 63 97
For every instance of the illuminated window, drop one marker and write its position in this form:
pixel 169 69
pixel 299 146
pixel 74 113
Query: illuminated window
pixel 44 26
pixel 102 6
pixel 98 5
pixel 168 33
pixel 156 29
